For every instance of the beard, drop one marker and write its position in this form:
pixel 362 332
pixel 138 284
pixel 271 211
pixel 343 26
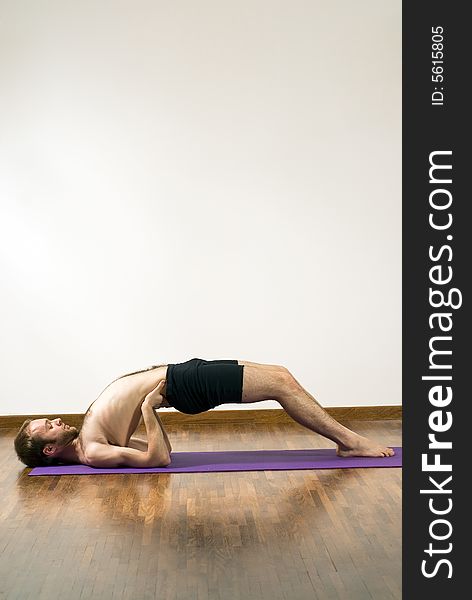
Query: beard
pixel 67 436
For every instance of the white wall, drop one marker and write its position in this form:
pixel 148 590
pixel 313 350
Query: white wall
pixel 218 179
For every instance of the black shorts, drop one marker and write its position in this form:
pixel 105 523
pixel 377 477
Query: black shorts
pixel 198 385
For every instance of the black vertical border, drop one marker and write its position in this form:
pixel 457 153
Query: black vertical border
pixel 428 128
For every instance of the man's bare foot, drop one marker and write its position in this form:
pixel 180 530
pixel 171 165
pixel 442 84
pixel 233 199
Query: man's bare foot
pixel 364 447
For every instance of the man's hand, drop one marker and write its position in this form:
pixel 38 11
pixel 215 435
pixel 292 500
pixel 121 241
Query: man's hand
pixel 155 398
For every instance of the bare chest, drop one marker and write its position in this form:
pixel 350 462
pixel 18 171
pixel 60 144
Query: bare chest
pixel 116 413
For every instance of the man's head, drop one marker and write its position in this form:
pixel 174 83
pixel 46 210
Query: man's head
pixel 40 442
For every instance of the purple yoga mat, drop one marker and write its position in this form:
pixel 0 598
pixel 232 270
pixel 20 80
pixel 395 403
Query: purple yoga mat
pixel 252 460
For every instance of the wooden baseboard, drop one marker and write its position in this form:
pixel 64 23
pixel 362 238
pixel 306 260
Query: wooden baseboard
pixel 278 415
pixel 268 415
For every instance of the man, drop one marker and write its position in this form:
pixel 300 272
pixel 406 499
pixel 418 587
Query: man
pixel 106 437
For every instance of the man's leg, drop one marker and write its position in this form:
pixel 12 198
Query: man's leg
pixel 274 382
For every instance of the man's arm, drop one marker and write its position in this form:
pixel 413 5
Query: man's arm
pixel 139 444
pixel 164 433
pixel 105 456
pixel 157 449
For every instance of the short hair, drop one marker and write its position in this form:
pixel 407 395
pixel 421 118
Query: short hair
pixel 30 449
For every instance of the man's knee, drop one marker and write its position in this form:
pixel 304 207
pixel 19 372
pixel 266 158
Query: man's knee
pixel 287 379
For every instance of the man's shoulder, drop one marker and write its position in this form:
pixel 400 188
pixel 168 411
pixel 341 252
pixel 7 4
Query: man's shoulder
pixel 95 450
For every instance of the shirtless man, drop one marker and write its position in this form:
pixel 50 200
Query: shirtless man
pixel 106 437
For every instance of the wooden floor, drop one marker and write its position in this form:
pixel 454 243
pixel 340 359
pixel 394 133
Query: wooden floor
pixel 277 535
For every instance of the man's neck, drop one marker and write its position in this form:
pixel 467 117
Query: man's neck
pixel 72 453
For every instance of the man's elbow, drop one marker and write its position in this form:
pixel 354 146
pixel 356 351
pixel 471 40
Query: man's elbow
pixel 167 460
pixel 159 462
